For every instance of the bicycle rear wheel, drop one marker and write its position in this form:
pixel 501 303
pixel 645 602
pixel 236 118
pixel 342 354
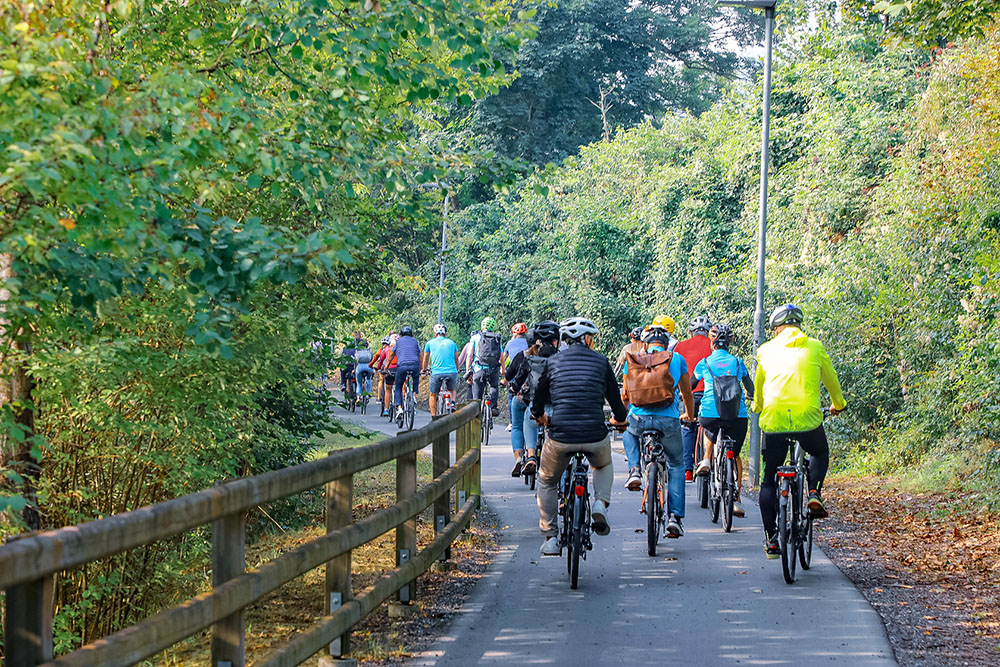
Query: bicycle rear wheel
pixel 411 408
pixel 728 496
pixel 715 493
pixel 576 541
pixel 786 533
pixel 484 423
pixel 652 502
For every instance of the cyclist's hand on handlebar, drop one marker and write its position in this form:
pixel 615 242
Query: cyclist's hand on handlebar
pixel 542 420
pixel 833 412
pixel 621 427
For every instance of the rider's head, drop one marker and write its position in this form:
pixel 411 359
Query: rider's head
pixel 636 333
pixel 488 324
pixel 700 326
pixel 577 330
pixel 519 329
pixel 721 336
pixel 664 321
pixel 440 329
pixel 362 343
pixel 546 331
pixel 786 315
pixel 406 331
pixel 656 336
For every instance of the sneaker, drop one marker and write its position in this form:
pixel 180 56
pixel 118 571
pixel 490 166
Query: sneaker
pixel 510 427
pixel 817 509
pixel 516 471
pixel 703 468
pixel 599 518
pixel 674 526
pixel 550 547
pixel 530 466
pixel 688 476
pixel 771 548
pixel 634 481
pixel 738 509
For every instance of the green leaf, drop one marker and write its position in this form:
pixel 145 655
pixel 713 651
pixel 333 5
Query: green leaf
pixel 254 181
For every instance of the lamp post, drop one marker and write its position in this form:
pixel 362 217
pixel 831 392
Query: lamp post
pixel 444 246
pixel 765 144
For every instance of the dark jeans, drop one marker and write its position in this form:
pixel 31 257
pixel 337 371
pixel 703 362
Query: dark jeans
pixel 775 448
pixel 487 376
pixel 402 372
pixel 689 435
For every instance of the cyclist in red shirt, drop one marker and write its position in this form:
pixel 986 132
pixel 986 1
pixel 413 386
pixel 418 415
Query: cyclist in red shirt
pixel 694 349
pixel 388 372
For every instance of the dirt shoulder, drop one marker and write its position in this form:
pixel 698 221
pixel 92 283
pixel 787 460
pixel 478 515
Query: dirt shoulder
pixel 928 563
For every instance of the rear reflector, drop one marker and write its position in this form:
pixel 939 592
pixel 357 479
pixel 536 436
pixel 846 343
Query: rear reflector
pixel 579 491
pixel 729 454
pixel 786 474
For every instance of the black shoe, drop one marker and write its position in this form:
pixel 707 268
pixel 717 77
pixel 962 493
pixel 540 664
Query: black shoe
pixel 771 548
pixel 516 471
pixel 530 466
pixel 816 508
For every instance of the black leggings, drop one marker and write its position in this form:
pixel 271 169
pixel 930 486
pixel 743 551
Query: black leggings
pixel 775 448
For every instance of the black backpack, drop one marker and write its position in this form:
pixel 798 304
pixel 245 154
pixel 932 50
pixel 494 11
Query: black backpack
pixel 488 350
pixel 728 394
pixel 536 368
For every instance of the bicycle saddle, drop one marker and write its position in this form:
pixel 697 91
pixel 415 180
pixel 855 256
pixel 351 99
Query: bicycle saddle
pixel 654 432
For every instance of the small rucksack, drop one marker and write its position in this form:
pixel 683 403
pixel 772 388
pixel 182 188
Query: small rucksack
pixel 648 383
pixel 536 366
pixel 726 389
pixel 488 350
pixel 363 356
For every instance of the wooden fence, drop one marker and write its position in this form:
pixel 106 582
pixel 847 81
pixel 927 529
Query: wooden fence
pixel 28 564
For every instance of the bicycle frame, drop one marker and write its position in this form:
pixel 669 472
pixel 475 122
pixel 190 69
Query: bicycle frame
pixel 793 481
pixel 652 452
pixel 575 511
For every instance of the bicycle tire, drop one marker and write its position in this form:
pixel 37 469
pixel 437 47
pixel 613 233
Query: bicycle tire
pixel 484 424
pixel 806 544
pixel 728 496
pixel 576 542
pixel 411 406
pixel 652 497
pixel 715 498
pixel 786 536
pixel 531 483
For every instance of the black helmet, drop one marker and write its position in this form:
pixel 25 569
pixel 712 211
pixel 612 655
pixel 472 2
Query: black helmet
pixel 657 335
pixel 546 330
pixel 721 336
pixel 786 314
pixel 406 331
pixel 636 333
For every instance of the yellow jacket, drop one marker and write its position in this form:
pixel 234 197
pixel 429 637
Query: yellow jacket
pixel 786 389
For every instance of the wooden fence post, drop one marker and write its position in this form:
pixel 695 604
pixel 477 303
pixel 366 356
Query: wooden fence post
pixel 406 533
pixel 474 484
pixel 441 455
pixel 461 447
pixel 339 506
pixel 228 562
pixel 28 623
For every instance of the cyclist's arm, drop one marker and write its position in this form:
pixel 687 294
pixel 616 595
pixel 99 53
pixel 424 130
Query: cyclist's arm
pixel 426 360
pixel 758 388
pixel 542 397
pixel 456 359
pixel 830 380
pixel 613 396
pixel 684 384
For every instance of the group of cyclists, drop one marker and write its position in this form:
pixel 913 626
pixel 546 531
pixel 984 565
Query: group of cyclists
pixel 557 381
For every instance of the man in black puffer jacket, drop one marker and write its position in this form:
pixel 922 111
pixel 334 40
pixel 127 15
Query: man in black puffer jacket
pixel 576 383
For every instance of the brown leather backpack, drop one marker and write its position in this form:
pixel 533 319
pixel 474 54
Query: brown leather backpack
pixel 648 383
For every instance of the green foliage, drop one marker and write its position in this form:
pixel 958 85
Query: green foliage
pixel 934 23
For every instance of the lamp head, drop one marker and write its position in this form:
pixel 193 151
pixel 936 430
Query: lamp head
pixel 751 4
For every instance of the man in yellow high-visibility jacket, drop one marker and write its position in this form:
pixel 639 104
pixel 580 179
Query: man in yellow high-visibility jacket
pixel 790 368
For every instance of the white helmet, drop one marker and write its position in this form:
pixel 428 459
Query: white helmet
pixel 440 329
pixel 575 328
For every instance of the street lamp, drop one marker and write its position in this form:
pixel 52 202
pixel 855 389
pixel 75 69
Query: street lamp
pixel 765 142
pixel 437 185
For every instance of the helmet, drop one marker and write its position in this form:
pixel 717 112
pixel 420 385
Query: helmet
pixel 721 336
pixel 636 333
pixel 666 322
pixel 406 331
pixel 488 324
pixel 786 314
pixel 440 329
pixel 386 340
pixel 519 328
pixel 546 330
pixel 393 337
pixel 700 323
pixel 575 328
pixel 656 334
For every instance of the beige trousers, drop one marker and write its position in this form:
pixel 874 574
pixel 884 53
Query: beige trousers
pixel 555 457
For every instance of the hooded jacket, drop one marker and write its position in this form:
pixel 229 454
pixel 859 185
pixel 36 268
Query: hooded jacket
pixel 790 369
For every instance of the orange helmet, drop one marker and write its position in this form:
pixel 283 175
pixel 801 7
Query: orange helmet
pixel 519 328
pixel 666 322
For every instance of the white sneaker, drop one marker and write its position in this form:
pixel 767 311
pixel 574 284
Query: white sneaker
pixel 551 547
pixel 599 518
pixel 634 481
pixel 738 509
pixel 703 468
pixel 510 427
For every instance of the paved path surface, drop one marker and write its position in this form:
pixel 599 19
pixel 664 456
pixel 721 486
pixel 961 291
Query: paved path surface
pixel 708 598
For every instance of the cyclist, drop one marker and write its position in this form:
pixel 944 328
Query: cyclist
pixel 387 371
pixel 790 368
pixel 522 376
pixel 634 346
pixel 482 367
pixel 464 356
pixel 518 343
pixel 406 354
pixel 363 373
pixel 694 349
pixel 663 416
pixel 576 382
pixel 441 356
pixel 667 323
pixel 347 372
pixel 722 405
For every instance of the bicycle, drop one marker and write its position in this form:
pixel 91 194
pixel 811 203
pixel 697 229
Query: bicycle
pixel 445 402
pixel 723 481
pixel 530 477
pixel 574 507
pixel 795 523
pixel 485 419
pixel 409 407
pixel 654 491
pixel 701 481
pixel 351 393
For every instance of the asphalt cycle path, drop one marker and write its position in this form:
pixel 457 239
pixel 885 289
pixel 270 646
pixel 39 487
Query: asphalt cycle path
pixel 707 598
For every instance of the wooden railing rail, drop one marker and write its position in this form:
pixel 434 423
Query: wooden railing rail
pixel 28 564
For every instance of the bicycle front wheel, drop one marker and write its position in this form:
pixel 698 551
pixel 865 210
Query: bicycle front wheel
pixel 786 534
pixel 411 410
pixel 652 502
pixel 728 496
pixel 576 542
